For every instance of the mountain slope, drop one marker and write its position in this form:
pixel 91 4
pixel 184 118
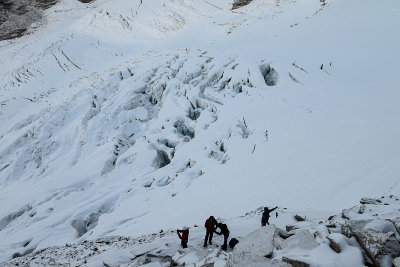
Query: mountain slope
pixel 135 118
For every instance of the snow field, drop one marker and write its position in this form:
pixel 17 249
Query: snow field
pixel 121 118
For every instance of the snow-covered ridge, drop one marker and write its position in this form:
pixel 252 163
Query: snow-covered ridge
pixel 336 241
pixel 123 117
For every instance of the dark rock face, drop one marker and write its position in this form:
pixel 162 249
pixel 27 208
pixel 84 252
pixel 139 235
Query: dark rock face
pixel 16 16
pixel 377 238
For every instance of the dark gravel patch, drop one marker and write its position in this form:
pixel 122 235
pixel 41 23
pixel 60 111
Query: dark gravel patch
pixel 16 16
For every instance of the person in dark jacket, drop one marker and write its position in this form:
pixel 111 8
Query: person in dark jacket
pixel 210 224
pixel 183 236
pixel 265 215
pixel 223 231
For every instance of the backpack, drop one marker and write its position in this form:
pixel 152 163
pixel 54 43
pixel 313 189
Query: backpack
pixel 233 242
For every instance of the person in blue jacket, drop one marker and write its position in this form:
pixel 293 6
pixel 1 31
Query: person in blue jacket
pixel 265 215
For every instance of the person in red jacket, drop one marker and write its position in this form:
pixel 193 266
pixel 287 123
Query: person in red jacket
pixel 211 225
pixel 183 236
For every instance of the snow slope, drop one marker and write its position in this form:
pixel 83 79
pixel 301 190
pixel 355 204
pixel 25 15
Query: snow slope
pixel 124 118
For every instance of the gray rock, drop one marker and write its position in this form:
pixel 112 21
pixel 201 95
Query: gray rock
pixel 291 228
pixel 377 238
pixel 271 75
pixel 284 234
pixel 396 262
pixel 302 239
pixel 299 218
pixel 254 248
pixel 371 201
pixel 346 214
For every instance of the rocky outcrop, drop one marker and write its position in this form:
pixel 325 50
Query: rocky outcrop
pixel 257 248
pixel 370 238
pixel 378 238
pixel 16 16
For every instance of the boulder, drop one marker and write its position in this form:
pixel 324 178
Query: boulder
pixel 377 238
pixel 299 218
pixel 302 239
pixel 396 262
pixel 254 248
pixel 335 246
pixel 284 234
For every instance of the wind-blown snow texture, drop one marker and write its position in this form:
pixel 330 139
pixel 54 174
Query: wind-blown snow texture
pixel 126 117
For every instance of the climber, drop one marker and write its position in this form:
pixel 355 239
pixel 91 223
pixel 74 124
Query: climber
pixel 223 231
pixel 210 224
pixel 183 236
pixel 265 215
